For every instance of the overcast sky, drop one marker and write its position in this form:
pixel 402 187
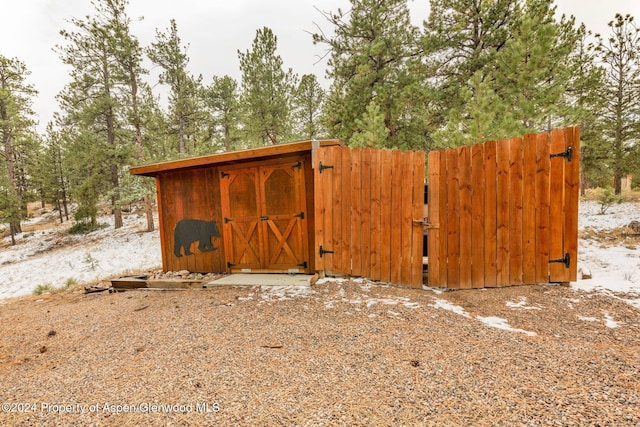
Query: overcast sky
pixel 214 31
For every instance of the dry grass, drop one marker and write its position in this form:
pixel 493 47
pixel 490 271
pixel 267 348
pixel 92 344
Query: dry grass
pixel 620 236
pixel 336 354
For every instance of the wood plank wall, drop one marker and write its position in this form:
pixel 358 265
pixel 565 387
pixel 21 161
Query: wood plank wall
pixel 369 208
pixel 502 211
pixel 193 194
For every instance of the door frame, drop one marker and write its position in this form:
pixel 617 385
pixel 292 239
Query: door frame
pixel 267 226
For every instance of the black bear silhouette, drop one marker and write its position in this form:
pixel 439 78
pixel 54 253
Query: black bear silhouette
pixel 188 231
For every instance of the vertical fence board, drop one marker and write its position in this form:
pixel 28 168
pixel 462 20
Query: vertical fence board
pixel 319 207
pixel 572 193
pixel 345 223
pixel 556 176
pixel 337 239
pixel 376 180
pixel 502 216
pixel 529 210
pixel 407 215
pixel 433 231
pixel 365 206
pixel 515 211
pixel 543 166
pixel 477 216
pixel 396 216
pixel 385 216
pixel 327 183
pixel 491 220
pixel 355 211
pixel 443 227
pixel 418 214
pixel 453 220
pixel 464 189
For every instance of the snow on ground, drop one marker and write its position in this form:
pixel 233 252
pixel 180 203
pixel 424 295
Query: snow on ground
pixel 53 257
pixel 615 268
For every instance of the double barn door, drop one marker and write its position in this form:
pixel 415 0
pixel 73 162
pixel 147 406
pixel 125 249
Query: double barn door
pixel 264 218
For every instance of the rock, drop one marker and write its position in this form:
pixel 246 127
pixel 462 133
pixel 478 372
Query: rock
pixel 635 226
pixel 584 273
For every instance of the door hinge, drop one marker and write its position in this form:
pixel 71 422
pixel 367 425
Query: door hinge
pixel 297 166
pixel 300 215
pixel 223 174
pixel 303 265
pixel 226 220
pixel 323 167
pixel 229 265
pixel 566 260
pixel 323 251
pixel 567 154
pixel 264 218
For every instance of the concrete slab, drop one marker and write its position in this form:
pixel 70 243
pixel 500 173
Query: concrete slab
pixel 257 279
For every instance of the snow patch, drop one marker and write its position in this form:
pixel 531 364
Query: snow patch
pixel 522 303
pixel 446 305
pixel 500 323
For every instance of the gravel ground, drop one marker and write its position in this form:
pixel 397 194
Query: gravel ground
pixel 339 353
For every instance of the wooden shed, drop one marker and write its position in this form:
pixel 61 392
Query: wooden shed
pixel 500 213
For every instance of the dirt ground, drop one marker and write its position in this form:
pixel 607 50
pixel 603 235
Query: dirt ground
pixel 339 353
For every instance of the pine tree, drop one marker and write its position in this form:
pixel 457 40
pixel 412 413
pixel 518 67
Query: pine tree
pixel 94 104
pixel 186 112
pixel 222 101
pixel 16 133
pixel 372 130
pixel 533 69
pixel 620 57
pixel 461 40
pixel 375 56
pixel 308 103
pixel 266 90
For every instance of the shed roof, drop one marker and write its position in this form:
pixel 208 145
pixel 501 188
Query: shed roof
pixel 155 169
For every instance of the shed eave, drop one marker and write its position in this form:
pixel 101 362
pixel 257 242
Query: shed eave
pixel 155 169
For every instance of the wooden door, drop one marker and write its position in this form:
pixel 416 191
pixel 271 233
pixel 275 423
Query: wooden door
pixel 283 217
pixel 505 212
pixel 265 219
pixel 241 217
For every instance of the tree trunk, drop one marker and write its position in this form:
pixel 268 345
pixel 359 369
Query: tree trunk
pixel 148 210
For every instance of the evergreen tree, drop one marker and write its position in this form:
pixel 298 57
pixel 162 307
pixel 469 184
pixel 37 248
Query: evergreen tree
pixel 186 112
pixel 375 57
pixel 266 90
pixel 533 69
pixel 372 130
pixel 94 103
pixel 222 101
pixel 51 173
pixel 620 57
pixel 128 53
pixel 16 125
pixel 308 103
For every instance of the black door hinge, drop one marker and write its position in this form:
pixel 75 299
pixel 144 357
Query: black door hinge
pixel 323 251
pixel 566 260
pixel 323 167
pixel 303 265
pixel 229 265
pixel 300 215
pixel 297 165
pixel 568 154
pixel 226 220
pixel 223 174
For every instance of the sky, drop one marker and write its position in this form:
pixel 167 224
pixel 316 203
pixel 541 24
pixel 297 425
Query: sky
pixel 214 32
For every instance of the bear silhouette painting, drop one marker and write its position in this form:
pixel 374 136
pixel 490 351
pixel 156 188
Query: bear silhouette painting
pixel 188 231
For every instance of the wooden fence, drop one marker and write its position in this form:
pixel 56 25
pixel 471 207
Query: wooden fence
pixel 505 212
pixel 368 213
